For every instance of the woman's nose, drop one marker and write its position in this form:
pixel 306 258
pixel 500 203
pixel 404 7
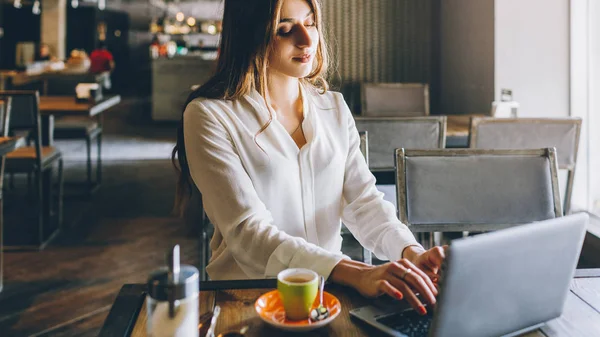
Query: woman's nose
pixel 303 38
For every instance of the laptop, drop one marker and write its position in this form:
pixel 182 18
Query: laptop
pixel 502 283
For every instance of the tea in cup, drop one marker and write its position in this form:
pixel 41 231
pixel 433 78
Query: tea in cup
pixel 298 289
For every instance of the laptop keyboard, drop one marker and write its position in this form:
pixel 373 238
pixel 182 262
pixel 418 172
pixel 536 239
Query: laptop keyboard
pixel 408 322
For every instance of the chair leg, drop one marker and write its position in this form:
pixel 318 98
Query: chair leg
pixel 2 161
pixel 203 256
pixel 367 256
pixel 99 161
pixel 1 239
pixel 60 194
pixel 88 144
pixel 41 206
pixel 569 191
pixel 205 247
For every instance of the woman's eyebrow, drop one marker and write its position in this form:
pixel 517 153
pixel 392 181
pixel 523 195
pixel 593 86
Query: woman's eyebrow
pixel 292 20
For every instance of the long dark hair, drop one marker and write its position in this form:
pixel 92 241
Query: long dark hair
pixel 248 29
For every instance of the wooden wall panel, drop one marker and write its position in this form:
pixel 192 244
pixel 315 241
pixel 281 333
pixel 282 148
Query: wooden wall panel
pixel 382 41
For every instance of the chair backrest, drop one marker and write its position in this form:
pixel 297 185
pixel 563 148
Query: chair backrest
pixel 476 190
pixel 5 109
pixel 25 108
pixel 364 144
pixel 532 133
pixel 25 115
pixel 386 134
pixel 64 84
pixel 364 148
pixel 529 133
pixel 394 99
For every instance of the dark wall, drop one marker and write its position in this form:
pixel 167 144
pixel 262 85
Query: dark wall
pixel 139 70
pixel 19 25
pixel 82 33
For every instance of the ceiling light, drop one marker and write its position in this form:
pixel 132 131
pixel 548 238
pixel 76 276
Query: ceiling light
pixel 191 22
pixel 212 29
pixel 17 4
pixel 36 8
pixel 74 3
pixel 180 16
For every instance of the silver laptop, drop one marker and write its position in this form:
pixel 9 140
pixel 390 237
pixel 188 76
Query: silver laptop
pixel 501 283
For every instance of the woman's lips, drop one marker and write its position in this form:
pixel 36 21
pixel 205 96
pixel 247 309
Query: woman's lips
pixel 303 58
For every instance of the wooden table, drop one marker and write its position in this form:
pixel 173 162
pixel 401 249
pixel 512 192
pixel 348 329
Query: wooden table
pixel 7 144
pixel 127 317
pixel 51 106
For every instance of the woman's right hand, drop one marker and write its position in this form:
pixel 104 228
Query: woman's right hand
pixel 400 280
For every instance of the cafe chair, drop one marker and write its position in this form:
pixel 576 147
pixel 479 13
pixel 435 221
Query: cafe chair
pixel 196 218
pixel 531 133
pixel 84 128
pixel 90 130
pixel 40 161
pixel 394 99
pixel 386 134
pixel 364 149
pixel 456 190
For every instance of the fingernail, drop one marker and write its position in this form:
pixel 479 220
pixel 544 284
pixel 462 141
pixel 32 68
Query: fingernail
pixel 422 310
pixel 399 295
pixel 435 279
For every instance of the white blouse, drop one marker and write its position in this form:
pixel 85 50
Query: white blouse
pixel 281 207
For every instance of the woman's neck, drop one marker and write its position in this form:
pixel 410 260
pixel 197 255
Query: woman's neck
pixel 283 94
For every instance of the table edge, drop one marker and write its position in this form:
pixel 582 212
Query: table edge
pixel 124 311
pixel 128 303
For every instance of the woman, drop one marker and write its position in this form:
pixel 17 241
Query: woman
pixel 276 157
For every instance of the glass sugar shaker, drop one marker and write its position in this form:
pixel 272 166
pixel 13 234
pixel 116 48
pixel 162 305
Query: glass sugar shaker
pixel 172 302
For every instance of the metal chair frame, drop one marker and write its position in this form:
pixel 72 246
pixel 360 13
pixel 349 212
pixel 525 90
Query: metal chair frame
pixel 5 106
pixel 43 177
pixel 401 187
pixel 478 121
pixel 441 120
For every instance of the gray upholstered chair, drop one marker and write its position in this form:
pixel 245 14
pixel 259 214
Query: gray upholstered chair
pixel 531 133
pixel 364 149
pixel 394 99
pixel 386 134
pixel 455 190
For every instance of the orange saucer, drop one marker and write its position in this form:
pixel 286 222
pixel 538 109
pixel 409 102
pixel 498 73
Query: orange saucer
pixel 270 309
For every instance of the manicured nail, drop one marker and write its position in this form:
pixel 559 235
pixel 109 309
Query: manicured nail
pixel 399 295
pixel 422 310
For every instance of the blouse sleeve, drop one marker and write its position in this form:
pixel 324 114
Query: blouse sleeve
pixel 232 204
pixel 370 218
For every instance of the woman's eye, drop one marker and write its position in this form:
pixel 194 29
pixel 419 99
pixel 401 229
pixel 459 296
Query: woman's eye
pixel 284 32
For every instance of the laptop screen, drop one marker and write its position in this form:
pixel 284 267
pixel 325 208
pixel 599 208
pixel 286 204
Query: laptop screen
pixel 509 280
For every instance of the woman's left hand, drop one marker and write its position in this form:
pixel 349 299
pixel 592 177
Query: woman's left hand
pixel 429 261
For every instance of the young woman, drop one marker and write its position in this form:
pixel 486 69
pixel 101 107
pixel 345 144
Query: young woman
pixel 276 157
